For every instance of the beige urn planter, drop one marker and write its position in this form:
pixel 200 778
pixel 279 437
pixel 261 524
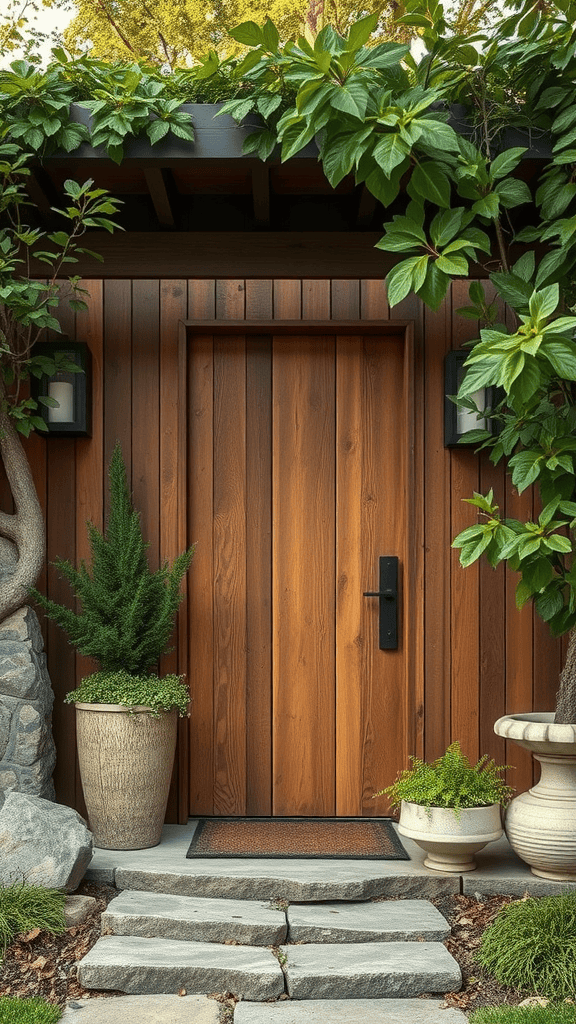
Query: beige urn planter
pixel 126 758
pixel 450 838
pixel 541 824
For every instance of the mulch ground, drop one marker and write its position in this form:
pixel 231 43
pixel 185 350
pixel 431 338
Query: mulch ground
pixel 39 964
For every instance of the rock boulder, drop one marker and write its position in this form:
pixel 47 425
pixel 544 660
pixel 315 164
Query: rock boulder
pixel 42 843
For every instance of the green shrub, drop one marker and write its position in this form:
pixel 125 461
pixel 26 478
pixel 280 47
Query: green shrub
pixel 554 1013
pixel 28 1011
pixel 24 907
pixel 158 694
pixel 531 946
pixel 127 611
pixel 450 781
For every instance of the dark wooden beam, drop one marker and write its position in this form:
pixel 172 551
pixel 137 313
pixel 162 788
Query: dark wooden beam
pixel 221 254
pixel 257 254
pixel 261 194
pixel 366 208
pixel 156 184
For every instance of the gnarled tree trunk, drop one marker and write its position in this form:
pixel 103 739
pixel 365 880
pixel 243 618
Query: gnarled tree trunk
pixel 25 527
pixel 566 696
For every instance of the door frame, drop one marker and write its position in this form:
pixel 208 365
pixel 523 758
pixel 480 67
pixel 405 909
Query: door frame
pixel 412 615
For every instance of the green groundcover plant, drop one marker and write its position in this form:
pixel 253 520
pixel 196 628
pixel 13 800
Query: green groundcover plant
pixel 531 946
pixel 23 907
pixel 28 1011
pixel 449 781
pixel 552 1013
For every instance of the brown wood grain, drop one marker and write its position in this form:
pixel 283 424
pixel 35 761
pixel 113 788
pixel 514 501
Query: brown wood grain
pixel 436 490
pixel 287 300
pixel 259 575
pixel 230 299
pixel 303 587
pixel 374 300
pixel 371 466
pixel 345 300
pixel 229 539
pixel 201 299
pixel 315 300
pixel 173 308
pixel 465 628
pixel 258 300
pixel 146 411
pixel 117 370
pixel 200 513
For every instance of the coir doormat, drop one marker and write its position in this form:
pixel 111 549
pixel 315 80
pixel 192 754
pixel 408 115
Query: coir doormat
pixel 349 838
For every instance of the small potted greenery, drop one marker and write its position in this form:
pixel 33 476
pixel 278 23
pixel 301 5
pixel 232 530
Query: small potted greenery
pixel 126 715
pixel 450 807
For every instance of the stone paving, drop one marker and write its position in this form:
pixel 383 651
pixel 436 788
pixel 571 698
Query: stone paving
pixel 355 962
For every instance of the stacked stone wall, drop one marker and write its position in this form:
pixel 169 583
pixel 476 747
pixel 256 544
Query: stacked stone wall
pixel 27 752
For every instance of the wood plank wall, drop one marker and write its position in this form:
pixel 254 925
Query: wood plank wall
pixel 481 656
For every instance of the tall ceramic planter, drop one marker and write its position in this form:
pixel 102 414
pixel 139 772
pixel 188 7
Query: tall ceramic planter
pixel 126 760
pixel 541 824
pixel 450 838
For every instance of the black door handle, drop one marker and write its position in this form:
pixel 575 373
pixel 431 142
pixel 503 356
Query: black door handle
pixel 388 598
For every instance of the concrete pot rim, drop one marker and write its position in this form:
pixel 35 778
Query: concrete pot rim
pixel 537 731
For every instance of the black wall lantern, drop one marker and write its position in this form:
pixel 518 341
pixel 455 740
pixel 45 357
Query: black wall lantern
pixel 73 415
pixel 458 421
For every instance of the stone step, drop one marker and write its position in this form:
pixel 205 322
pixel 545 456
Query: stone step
pixel 137 965
pixel 391 921
pixel 348 1011
pixel 300 881
pixel 368 970
pixel 153 915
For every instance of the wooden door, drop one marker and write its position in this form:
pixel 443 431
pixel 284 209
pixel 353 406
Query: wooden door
pixel 298 480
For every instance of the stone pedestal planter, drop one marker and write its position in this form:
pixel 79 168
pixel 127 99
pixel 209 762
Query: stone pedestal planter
pixel 450 838
pixel 126 757
pixel 541 824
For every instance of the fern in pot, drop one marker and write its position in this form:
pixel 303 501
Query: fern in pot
pixel 450 807
pixel 126 716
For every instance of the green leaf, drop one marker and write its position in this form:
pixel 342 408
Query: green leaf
pixel 399 280
pixel 506 162
pixel 445 226
pixel 489 206
pixel 544 302
pixel 525 469
pixel 157 130
pixel 271 35
pixel 549 603
pixel 435 286
pixel 561 353
pixel 390 152
pixel 454 265
pixel 248 33
pixel 513 193
pixel 430 182
pixel 361 31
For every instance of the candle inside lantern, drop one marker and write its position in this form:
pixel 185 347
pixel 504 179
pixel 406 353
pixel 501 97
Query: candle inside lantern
pixel 63 393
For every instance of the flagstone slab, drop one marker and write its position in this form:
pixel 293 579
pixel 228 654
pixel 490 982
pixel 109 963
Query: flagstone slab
pixel 393 920
pixel 158 1009
pixel 349 1011
pixel 368 970
pixel 137 965
pixel 168 916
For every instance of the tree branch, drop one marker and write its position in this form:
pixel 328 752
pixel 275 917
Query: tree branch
pixel 26 527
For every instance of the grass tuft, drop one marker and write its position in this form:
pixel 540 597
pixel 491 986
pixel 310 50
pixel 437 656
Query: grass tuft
pixel 531 946
pixel 28 1011
pixel 24 907
pixel 554 1013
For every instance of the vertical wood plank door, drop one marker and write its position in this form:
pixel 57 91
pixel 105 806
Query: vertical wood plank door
pixel 299 479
